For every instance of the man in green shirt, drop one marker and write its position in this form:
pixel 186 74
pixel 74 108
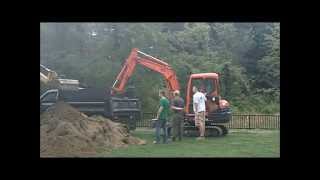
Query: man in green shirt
pixel 162 117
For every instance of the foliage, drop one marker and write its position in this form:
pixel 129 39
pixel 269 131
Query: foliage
pixel 246 55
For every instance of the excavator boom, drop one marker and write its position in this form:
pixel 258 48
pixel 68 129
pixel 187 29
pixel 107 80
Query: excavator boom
pixel 150 62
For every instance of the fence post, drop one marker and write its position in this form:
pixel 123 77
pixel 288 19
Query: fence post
pixel 249 121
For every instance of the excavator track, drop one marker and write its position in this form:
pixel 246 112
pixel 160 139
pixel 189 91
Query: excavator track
pixel 211 131
pixel 224 130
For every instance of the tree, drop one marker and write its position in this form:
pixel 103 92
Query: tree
pixel 269 65
pixel 246 55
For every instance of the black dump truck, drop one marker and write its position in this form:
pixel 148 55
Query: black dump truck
pixel 93 101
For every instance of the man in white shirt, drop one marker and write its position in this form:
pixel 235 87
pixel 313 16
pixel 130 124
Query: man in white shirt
pixel 199 108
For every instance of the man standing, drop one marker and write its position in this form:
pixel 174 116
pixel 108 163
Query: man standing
pixel 199 108
pixel 177 107
pixel 162 117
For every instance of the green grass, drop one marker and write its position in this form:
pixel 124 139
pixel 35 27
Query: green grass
pixel 238 143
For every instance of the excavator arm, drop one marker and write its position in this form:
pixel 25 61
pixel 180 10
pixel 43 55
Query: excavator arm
pixel 138 57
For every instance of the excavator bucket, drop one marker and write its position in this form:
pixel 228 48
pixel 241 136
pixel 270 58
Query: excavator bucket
pixel 50 78
pixel 52 75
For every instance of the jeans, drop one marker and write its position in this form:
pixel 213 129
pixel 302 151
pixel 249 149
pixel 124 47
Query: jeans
pixel 169 131
pixel 177 126
pixel 161 124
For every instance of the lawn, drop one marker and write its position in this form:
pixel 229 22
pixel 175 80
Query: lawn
pixel 238 143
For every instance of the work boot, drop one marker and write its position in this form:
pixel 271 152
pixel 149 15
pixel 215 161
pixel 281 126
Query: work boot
pixel 200 138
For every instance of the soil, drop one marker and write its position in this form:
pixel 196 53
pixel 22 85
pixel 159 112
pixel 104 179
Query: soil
pixel 66 132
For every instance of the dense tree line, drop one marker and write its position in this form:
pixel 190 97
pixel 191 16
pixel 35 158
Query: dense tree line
pixel 247 55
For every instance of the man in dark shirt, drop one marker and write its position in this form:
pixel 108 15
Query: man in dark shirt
pixel 177 106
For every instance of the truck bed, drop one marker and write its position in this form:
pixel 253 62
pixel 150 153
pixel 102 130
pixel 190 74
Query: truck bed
pixel 86 95
pixel 93 101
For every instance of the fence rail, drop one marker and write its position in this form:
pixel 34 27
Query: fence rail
pixel 238 121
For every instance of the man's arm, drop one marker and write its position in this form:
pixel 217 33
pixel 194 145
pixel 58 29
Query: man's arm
pixel 174 106
pixel 177 104
pixel 195 105
pixel 159 111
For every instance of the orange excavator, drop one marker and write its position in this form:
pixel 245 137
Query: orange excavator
pixel 218 111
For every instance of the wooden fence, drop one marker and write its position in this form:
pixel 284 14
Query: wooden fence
pixel 238 121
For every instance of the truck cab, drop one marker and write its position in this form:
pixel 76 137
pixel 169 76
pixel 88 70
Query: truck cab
pixel 47 99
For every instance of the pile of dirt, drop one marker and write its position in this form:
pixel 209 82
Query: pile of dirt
pixel 65 132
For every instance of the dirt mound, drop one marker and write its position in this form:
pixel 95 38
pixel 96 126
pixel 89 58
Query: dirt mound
pixel 65 132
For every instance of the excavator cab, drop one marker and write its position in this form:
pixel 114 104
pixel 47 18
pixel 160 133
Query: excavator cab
pixel 217 110
pixel 208 84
